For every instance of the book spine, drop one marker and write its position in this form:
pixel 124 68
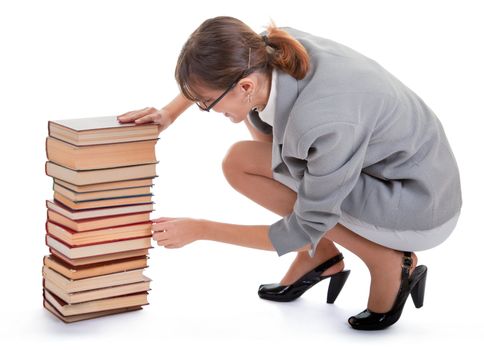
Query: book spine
pixel 58 240
pixel 47 244
pixel 134 226
pixel 59 255
pixel 73 245
pixel 47 148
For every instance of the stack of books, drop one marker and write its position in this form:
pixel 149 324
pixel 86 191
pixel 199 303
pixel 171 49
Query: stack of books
pixel 98 226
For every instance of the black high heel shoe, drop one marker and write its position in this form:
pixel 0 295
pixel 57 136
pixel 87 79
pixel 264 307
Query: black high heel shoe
pixel 414 285
pixel 278 292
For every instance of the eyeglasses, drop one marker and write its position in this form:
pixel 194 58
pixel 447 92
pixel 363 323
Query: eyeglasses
pixel 206 108
pixel 246 72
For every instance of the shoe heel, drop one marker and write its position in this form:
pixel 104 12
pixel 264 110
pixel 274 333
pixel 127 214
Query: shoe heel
pixel 336 284
pixel 418 291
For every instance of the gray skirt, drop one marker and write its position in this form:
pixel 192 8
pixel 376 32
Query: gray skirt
pixel 407 240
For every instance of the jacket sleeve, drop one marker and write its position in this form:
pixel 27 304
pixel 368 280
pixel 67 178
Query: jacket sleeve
pixel 334 155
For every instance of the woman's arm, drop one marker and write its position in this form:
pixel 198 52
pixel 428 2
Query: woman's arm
pixel 178 232
pixel 251 236
pixel 177 106
pixel 164 116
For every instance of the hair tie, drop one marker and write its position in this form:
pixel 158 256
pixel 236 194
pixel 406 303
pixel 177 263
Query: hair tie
pixel 266 40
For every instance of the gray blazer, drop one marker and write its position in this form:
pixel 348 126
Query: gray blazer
pixel 350 136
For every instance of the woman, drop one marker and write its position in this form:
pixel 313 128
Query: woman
pixel 342 150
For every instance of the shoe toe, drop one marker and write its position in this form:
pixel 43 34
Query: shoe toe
pixel 266 287
pixel 358 321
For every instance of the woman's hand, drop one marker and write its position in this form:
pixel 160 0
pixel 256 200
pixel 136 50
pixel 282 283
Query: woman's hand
pixel 147 115
pixel 177 232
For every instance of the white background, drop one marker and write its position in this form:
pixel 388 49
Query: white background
pixel 64 59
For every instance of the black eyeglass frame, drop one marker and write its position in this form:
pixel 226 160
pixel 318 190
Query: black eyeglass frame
pixel 217 100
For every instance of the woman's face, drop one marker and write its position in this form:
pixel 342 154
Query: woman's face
pixel 235 104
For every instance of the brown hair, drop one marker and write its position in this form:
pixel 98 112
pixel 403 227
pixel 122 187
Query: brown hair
pixel 222 48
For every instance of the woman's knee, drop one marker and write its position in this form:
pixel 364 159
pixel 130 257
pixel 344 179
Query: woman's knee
pixel 246 158
pixel 233 163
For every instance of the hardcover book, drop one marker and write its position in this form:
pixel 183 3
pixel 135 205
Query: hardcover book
pixel 89 177
pixel 115 279
pixel 94 269
pixel 115 185
pixel 100 156
pixel 97 223
pixel 99 259
pixel 102 203
pixel 96 213
pixel 96 294
pixel 76 252
pixel 100 130
pixel 65 309
pixel 96 195
pixel 102 235
pixel 76 318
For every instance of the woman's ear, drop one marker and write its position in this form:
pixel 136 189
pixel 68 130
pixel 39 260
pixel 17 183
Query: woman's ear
pixel 246 85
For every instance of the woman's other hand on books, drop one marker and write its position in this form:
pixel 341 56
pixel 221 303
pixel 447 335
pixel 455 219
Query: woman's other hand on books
pixel 177 232
pixel 147 115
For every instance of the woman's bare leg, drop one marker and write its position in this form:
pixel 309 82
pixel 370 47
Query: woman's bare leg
pixel 247 167
pixel 384 265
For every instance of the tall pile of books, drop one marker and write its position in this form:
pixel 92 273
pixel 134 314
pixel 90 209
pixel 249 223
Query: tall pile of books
pixel 98 227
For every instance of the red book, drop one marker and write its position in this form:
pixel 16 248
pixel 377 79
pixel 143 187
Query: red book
pixel 103 235
pixel 106 258
pixel 96 213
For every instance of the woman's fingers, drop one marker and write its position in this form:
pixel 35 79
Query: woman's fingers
pixel 130 113
pixel 161 219
pixel 133 115
pixel 128 116
pixel 161 227
pixel 162 242
pixel 159 238
pixel 147 115
pixel 146 119
pixel 158 227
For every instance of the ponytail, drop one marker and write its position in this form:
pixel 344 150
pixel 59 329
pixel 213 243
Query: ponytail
pixel 289 55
